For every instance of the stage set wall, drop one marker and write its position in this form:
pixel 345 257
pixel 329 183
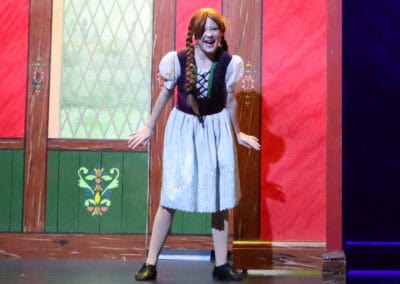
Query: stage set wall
pixel 287 56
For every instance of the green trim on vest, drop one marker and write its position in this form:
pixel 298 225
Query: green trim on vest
pixel 210 79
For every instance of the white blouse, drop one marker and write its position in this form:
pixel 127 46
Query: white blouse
pixel 170 70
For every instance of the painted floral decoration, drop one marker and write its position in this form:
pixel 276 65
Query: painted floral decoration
pixel 98 185
pixel 248 84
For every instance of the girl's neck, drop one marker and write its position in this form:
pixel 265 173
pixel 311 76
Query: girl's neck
pixel 203 61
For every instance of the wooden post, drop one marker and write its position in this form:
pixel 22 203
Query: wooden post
pixel 334 262
pixel 164 39
pixel 36 124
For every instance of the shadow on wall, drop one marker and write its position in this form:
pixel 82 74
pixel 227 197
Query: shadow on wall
pixel 273 148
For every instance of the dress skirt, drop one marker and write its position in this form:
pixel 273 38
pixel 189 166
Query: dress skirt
pixel 199 163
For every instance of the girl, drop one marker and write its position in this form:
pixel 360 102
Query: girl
pixel 199 160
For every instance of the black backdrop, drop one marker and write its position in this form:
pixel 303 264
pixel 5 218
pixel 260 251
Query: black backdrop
pixel 371 133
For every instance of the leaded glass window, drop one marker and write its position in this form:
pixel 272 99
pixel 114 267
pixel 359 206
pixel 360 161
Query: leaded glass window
pixel 104 52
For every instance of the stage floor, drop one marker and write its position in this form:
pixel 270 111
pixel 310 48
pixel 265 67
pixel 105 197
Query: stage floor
pixel 40 271
pixel 120 271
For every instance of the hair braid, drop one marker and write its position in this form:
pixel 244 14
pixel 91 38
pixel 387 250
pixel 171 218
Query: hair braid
pixel 190 71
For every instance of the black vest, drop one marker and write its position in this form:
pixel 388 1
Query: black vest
pixel 217 99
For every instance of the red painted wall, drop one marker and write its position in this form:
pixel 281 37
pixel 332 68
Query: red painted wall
pixel 293 135
pixel 294 94
pixel 14 17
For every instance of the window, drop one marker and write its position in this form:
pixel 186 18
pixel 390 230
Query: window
pixel 101 68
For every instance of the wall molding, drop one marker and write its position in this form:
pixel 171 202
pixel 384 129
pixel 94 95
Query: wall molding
pixel 11 144
pixel 89 246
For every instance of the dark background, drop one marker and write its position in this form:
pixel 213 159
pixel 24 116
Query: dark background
pixel 371 136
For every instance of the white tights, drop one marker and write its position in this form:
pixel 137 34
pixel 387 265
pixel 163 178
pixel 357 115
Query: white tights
pixel 162 225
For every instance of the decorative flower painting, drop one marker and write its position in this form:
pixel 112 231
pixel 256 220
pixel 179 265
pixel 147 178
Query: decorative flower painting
pixel 98 185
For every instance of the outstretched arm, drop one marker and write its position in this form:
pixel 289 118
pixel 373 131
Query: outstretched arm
pixel 242 138
pixel 143 135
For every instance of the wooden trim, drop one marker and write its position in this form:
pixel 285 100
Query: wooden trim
pixel 248 46
pixel 164 39
pixel 75 145
pixel 92 145
pixel 56 68
pixel 89 246
pixel 37 107
pixel 334 126
pixel 278 255
pixel 12 144
pixel 79 246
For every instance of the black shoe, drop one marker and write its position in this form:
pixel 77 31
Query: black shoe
pixel 226 272
pixel 147 272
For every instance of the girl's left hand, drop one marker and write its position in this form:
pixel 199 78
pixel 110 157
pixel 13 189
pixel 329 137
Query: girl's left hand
pixel 140 137
pixel 248 141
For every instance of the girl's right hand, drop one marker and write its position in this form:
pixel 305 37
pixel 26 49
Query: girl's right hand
pixel 248 141
pixel 140 137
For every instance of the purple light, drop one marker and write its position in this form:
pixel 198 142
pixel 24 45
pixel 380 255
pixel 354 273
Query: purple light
pixel 371 243
pixel 373 273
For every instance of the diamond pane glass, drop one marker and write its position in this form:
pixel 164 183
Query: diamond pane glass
pixel 106 68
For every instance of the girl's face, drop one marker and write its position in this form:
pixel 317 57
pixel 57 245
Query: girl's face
pixel 209 41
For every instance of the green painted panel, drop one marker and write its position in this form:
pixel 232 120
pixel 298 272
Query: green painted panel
pixel 191 223
pixel 11 190
pixel 17 195
pixel 111 221
pixel 135 187
pixel 68 192
pixel 127 210
pixel 208 224
pixel 5 189
pixel 52 192
pixel 65 209
pixel 177 224
pixel 196 223
pixel 88 223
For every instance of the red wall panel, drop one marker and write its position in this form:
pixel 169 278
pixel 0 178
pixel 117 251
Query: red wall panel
pixel 294 94
pixel 14 17
pixel 293 157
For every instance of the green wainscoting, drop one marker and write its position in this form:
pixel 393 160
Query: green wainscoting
pixel 11 190
pixel 191 223
pixel 66 210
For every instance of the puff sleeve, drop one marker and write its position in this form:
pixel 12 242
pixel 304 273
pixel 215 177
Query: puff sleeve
pixel 169 69
pixel 234 73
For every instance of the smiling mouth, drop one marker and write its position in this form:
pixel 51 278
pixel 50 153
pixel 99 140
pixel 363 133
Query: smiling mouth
pixel 209 42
